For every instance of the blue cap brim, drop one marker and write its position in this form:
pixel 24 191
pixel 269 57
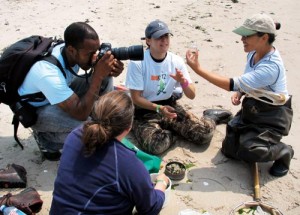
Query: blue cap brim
pixel 160 33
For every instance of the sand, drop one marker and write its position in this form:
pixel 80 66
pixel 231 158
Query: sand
pixel 215 183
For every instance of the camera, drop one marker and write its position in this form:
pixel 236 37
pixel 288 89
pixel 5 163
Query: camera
pixel 123 53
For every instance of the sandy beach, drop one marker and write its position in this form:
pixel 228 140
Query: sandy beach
pixel 214 183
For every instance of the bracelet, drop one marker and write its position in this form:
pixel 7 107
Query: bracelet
pixel 158 108
pixel 185 84
pixel 162 181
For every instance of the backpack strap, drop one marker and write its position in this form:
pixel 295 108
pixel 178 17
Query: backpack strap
pixel 16 123
pixel 34 97
pixel 39 97
pixel 55 61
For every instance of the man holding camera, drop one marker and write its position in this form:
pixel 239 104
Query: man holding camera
pixel 69 100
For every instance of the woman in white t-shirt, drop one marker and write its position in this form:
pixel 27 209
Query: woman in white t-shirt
pixel 155 84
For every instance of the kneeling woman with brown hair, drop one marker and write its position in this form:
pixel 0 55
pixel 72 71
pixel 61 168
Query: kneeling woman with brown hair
pixel 97 173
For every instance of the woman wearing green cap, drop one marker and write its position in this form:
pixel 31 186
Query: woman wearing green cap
pixel 255 133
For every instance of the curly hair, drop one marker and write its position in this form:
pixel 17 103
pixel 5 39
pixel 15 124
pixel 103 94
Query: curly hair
pixel 77 32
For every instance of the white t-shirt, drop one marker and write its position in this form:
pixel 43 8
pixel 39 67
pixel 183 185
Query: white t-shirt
pixel 154 78
pixel 47 78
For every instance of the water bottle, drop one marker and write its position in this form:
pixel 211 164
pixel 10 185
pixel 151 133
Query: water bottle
pixel 11 210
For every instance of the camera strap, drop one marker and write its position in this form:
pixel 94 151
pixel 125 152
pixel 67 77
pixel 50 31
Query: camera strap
pixel 86 75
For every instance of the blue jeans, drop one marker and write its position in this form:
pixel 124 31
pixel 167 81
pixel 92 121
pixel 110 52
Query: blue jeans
pixel 53 124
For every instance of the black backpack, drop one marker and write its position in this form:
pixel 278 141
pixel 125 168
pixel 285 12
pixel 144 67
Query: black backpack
pixel 15 62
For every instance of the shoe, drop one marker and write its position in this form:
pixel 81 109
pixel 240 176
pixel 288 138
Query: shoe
pixel 278 169
pixel 281 166
pixel 51 155
pixel 48 154
pixel 218 115
pixel 13 176
pixel 28 201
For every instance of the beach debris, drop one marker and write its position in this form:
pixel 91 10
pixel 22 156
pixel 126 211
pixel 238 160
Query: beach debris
pixel 208 40
pixel 189 165
pixel 198 27
pixel 206 15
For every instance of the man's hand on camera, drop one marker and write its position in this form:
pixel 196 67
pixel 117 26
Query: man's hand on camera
pixel 104 66
pixel 117 68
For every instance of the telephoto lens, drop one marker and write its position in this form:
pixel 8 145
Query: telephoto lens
pixel 129 53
